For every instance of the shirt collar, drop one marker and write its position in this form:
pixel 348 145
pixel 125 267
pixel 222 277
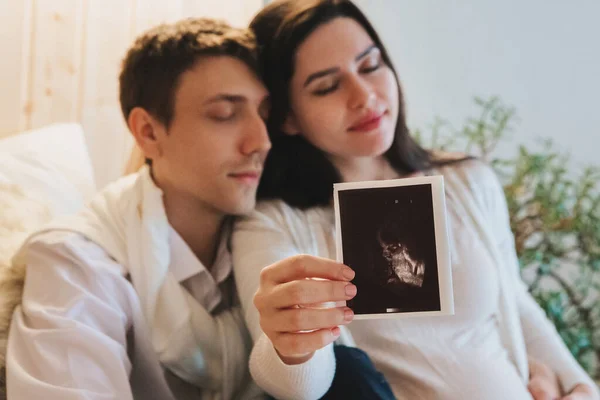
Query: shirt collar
pixel 184 263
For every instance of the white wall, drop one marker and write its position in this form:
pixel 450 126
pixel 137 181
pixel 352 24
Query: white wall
pixel 541 56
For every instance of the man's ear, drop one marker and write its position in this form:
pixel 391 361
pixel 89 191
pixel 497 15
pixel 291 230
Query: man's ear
pixel 290 126
pixel 146 131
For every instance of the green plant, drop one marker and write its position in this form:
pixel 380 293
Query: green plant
pixel 555 217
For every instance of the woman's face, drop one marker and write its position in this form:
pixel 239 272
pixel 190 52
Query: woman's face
pixel 344 98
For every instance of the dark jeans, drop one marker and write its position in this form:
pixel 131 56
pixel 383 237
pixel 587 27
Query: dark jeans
pixel 356 377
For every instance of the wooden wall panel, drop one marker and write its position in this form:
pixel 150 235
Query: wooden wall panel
pixel 15 41
pixel 64 59
pixel 236 12
pixel 149 13
pixel 55 75
pixel 108 34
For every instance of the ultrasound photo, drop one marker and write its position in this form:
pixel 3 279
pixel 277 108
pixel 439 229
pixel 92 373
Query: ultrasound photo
pixel 393 234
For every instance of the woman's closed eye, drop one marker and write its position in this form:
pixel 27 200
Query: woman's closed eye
pixel 326 87
pixel 372 64
pixel 372 68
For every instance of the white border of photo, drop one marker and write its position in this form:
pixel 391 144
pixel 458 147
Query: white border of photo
pixel 441 240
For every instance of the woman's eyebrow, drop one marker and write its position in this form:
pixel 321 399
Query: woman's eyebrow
pixel 320 74
pixel 366 52
pixel 329 71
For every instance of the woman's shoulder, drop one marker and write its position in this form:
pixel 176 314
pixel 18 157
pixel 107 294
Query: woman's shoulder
pixel 279 208
pixel 275 209
pixel 279 216
pixel 272 214
pixel 472 178
pixel 468 170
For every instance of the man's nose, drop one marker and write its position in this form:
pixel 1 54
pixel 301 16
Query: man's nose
pixel 256 138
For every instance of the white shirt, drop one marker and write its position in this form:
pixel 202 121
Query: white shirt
pixel 71 337
pixel 207 286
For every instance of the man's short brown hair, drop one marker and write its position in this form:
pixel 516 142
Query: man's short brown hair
pixel 153 65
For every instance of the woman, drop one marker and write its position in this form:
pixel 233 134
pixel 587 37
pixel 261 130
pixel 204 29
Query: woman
pixel 338 115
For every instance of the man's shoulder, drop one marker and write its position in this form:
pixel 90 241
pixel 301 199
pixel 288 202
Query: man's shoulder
pixel 56 239
pixel 119 187
pixel 68 247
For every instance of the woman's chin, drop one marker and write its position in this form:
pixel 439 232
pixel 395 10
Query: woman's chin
pixel 375 149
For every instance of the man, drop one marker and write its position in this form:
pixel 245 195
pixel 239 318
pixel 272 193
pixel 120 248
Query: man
pixel 134 297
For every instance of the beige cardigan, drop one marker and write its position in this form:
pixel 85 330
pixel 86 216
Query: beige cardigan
pixel 276 231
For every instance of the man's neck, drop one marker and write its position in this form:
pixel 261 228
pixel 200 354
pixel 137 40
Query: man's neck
pixel 199 226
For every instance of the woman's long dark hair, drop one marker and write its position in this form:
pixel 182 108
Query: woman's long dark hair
pixel 296 171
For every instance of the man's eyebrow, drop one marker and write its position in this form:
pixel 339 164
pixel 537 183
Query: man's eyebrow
pixel 329 71
pixel 232 98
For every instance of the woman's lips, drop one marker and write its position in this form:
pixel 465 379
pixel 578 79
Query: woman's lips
pixel 368 124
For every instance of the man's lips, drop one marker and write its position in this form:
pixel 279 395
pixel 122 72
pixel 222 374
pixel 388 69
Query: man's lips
pixel 249 177
pixel 370 122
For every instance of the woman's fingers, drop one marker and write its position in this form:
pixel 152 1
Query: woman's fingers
pixel 295 320
pixel 540 389
pixel 305 266
pixel 291 300
pixel 306 292
pixel 298 344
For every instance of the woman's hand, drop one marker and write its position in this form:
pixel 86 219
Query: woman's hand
pixel 544 385
pixel 543 382
pixel 582 392
pixel 288 303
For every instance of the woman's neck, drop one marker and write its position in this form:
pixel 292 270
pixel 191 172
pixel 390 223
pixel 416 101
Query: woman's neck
pixel 364 169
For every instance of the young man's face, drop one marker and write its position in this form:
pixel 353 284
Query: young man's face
pixel 214 149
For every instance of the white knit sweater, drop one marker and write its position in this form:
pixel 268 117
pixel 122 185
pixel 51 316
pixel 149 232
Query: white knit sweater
pixel 275 231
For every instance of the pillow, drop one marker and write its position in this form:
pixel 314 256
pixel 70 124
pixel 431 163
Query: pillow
pixel 21 215
pixel 44 173
pixel 51 164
